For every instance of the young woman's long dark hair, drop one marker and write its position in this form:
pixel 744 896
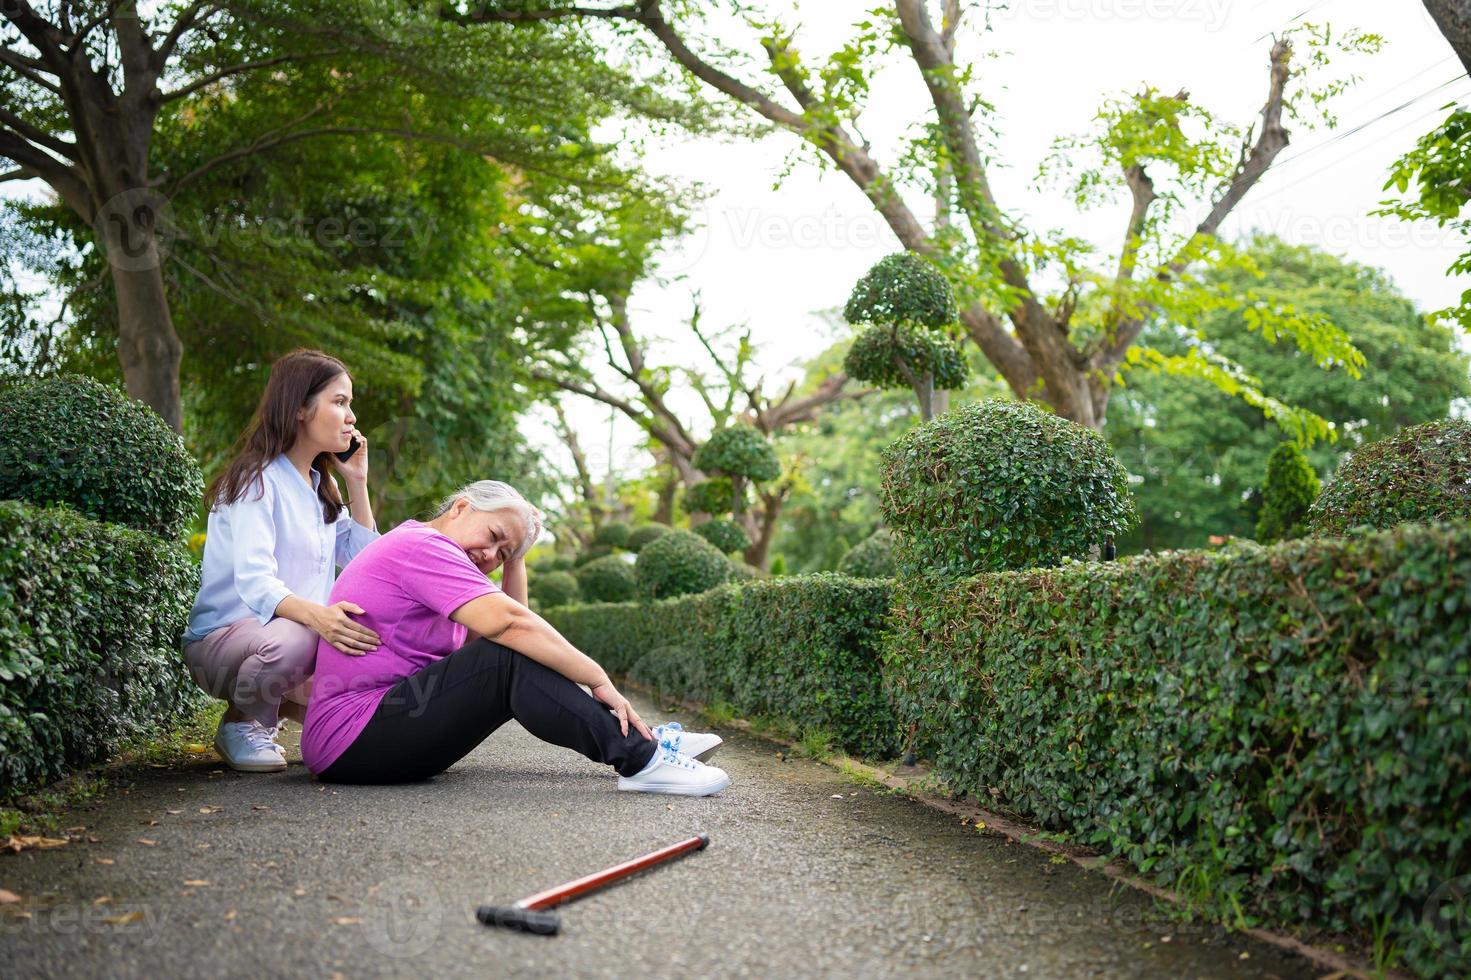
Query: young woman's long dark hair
pixel 295 380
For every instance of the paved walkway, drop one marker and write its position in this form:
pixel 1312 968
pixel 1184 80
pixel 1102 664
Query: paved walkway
pixel 209 872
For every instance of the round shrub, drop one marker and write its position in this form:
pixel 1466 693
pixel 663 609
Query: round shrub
pixel 902 288
pixel 726 535
pixel 642 535
pixel 873 557
pixel 876 353
pixel 1000 485
pixel 74 441
pixel 614 534
pixel 555 589
pixel 738 450
pixel 741 572
pixel 680 563
pixel 607 579
pixel 1288 491
pixel 713 496
pixel 1418 475
pixel 592 553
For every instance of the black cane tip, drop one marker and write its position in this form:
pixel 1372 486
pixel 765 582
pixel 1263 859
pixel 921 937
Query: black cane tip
pixel 704 841
pixel 522 920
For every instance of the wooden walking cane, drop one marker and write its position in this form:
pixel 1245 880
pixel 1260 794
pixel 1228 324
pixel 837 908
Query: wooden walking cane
pixel 530 913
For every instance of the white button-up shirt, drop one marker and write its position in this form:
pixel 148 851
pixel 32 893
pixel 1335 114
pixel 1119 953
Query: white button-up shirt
pixel 269 544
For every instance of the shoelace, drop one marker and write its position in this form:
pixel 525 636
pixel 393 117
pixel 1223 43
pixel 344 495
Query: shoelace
pixel 261 737
pixel 670 735
pixel 672 756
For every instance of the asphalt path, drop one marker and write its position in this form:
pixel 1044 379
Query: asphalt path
pixel 200 871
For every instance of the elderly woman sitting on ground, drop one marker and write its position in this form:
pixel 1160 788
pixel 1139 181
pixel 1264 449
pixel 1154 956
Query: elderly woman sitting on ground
pixel 460 656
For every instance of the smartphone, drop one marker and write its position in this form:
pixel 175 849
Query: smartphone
pixel 352 447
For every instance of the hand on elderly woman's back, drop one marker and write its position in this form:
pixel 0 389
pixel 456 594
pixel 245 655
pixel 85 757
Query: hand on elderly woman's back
pixel 333 625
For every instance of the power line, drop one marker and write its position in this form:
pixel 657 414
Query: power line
pixel 1345 134
pixel 1290 21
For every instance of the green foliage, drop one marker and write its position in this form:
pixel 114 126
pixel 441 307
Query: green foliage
pixel 878 352
pixel 1198 455
pixel 613 534
pixel 591 553
pixel 1000 485
pixel 740 571
pixel 90 620
pixel 679 563
pixel 873 557
pixel 902 288
pixel 725 534
pixel 607 579
pixel 738 451
pixel 72 440
pixel 804 650
pixel 1288 491
pixel 1418 475
pixel 1436 173
pixel 1283 729
pixel 554 588
pixel 713 496
pixel 643 534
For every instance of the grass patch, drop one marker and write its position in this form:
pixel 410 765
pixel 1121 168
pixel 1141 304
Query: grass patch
pixel 45 811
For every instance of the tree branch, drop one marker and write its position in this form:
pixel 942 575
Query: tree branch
pixel 1270 142
pixel 63 179
pixel 37 135
pixel 187 19
pixel 44 36
pixel 29 69
pixel 241 68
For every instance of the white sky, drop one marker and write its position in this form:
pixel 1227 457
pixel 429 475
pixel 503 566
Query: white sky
pixel 774 257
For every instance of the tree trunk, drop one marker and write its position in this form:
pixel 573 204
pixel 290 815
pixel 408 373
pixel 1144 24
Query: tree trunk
pixel 1453 17
pixel 148 346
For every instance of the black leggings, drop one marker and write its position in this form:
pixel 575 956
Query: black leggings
pixel 431 719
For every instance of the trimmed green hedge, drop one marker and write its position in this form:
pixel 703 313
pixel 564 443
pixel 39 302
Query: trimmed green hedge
pixel 76 441
pixel 606 579
pixel 679 563
pixel 90 620
pixel 805 650
pixel 1282 732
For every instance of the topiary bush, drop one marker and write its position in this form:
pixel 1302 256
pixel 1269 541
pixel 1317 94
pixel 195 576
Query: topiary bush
pixel 679 563
pixel 738 450
pixel 614 534
pixel 1000 485
pixel 75 441
pixel 725 534
pixel 643 534
pixel 877 352
pixel 902 288
pixel 1418 475
pixel 607 579
pixel 90 620
pixel 555 588
pixel 873 557
pixel 713 496
pixel 1288 491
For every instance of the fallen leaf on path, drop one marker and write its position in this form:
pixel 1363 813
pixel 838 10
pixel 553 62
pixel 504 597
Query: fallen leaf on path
pixel 106 861
pixel 259 806
pixel 837 796
pixel 197 882
pixel 124 919
pixel 76 830
pixel 210 809
pixel 176 812
pixel 299 892
pixel 20 842
pixel 101 899
pixel 195 747
pixel 149 823
pixel 230 915
pixel 347 920
pixel 8 897
pixel 147 843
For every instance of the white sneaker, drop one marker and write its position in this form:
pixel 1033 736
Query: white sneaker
pixel 670 772
pixel 273 733
pixel 247 746
pixel 699 746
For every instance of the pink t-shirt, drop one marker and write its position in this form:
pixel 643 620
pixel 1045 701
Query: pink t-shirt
pixel 409 581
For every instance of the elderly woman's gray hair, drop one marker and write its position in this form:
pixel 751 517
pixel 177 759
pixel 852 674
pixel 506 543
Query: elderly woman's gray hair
pixel 489 495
